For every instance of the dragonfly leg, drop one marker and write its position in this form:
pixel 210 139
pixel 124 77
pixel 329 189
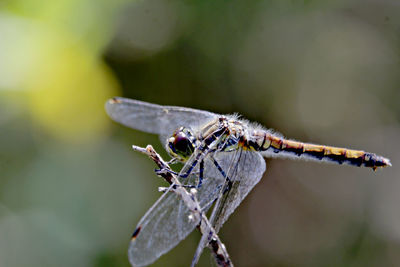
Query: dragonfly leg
pixel 228 181
pixel 164 170
pixel 201 174
pixel 172 161
pixel 200 180
pixel 219 168
pixel 160 171
pixel 189 171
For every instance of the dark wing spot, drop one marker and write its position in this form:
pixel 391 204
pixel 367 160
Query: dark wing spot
pixel 136 233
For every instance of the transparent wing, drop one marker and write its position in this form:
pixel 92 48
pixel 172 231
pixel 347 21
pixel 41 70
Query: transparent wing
pixel 167 221
pixel 161 229
pixel 245 170
pixel 152 118
pixel 245 174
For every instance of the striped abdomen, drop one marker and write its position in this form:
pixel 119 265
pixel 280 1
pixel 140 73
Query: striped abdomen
pixel 264 141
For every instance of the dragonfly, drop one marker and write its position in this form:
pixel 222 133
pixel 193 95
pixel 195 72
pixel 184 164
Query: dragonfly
pixel 222 157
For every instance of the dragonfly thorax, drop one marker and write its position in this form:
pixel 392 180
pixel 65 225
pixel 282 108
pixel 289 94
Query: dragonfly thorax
pixel 223 134
pixel 181 144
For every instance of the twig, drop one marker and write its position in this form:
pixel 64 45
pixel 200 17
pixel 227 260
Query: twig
pixel 215 244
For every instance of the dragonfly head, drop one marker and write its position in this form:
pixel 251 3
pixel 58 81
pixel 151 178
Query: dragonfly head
pixel 181 144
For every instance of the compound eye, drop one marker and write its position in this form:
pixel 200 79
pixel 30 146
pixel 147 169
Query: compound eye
pixel 182 143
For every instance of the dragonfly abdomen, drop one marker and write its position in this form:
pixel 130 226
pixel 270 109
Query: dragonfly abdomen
pixel 277 146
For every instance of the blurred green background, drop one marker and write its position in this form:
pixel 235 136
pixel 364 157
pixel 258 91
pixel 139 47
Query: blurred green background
pixel 71 188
